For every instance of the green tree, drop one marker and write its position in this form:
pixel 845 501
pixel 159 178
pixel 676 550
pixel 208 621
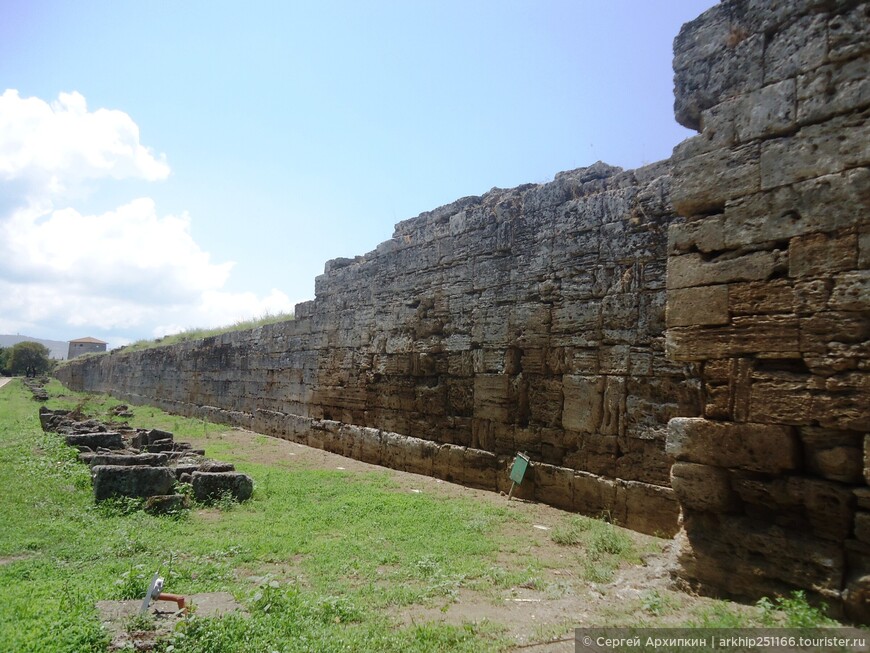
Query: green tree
pixel 30 358
pixel 4 360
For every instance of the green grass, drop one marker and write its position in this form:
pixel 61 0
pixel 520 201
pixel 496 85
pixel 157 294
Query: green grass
pixel 321 560
pixel 339 550
pixel 601 547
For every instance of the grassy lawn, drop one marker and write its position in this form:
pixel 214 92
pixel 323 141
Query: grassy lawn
pixel 337 551
pixel 321 560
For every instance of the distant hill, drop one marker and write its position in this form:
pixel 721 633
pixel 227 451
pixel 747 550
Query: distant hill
pixel 57 348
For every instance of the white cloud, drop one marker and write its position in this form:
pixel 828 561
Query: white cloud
pixel 129 268
pixel 56 146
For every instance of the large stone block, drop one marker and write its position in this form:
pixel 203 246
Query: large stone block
pixel 583 407
pixel 492 398
pixel 737 173
pixel 741 556
pixel 647 508
pixel 823 508
pixel 833 454
pixel 105 440
pixel 695 270
pixel 822 204
pixel 555 486
pixel 698 306
pixel 816 150
pixel 211 486
pixel 131 481
pixel 775 336
pixel 715 57
pixel 756 447
pixel 832 90
pixel 703 487
pixel 766 112
pixel 822 254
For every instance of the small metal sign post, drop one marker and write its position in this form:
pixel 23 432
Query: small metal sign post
pixel 521 464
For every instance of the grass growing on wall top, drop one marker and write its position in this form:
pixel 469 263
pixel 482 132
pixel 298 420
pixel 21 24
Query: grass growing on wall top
pixel 198 334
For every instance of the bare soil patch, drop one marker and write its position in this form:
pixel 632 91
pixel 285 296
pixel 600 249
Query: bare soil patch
pixel 120 618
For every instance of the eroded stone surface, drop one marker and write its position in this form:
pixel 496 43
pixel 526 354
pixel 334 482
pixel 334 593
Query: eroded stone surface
pixel 771 475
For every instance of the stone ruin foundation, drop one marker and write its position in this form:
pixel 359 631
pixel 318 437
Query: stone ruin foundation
pixel 145 463
pixel 684 348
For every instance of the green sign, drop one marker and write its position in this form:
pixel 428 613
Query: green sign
pixel 521 464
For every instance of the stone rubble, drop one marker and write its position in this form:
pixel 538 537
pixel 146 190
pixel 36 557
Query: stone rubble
pixel 127 462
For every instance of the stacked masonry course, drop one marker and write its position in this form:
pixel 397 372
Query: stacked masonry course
pixel 769 292
pixel 529 319
pixel 533 319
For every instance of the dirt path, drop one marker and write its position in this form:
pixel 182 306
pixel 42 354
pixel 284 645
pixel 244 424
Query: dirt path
pixel 4 380
pixel 540 613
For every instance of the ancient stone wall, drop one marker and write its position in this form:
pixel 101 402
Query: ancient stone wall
pixel 532 320
pixel 529 319
pixel 769 291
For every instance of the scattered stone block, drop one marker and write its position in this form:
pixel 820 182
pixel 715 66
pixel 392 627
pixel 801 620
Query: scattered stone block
pixel 166 504
pixel 105 440
pixel 131 481
pixel 211 486
pixel 149 459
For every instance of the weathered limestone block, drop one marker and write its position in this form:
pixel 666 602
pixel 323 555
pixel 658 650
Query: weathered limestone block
pixel 744 557
pixel 821 254
pixel 150 459
pixel 848 33
pixel 774 335
pixel 756 447
pixel 851 291
pixel 801 46
pixel 815 150
pixel 554 485
pixel 768 111
pixel 833 454
pixel 211 486
pixel 824 203
pixel 215 466
pixel 106 440
pixel 737 173
pixel 703 487
pixel 492 397
pixel 714 58
pixel 702 305
pixel 646 508
pixel 705 235
pixel 760 297
pixel 833 89
pixel 693 270
pixel 144 438
pixel 583 406
pixel 131 481
pixel 823 508
pixel 166 504
pixel 781 398
pixel 593 495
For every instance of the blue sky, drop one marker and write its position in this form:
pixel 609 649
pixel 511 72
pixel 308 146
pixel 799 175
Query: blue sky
pixel 207 158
